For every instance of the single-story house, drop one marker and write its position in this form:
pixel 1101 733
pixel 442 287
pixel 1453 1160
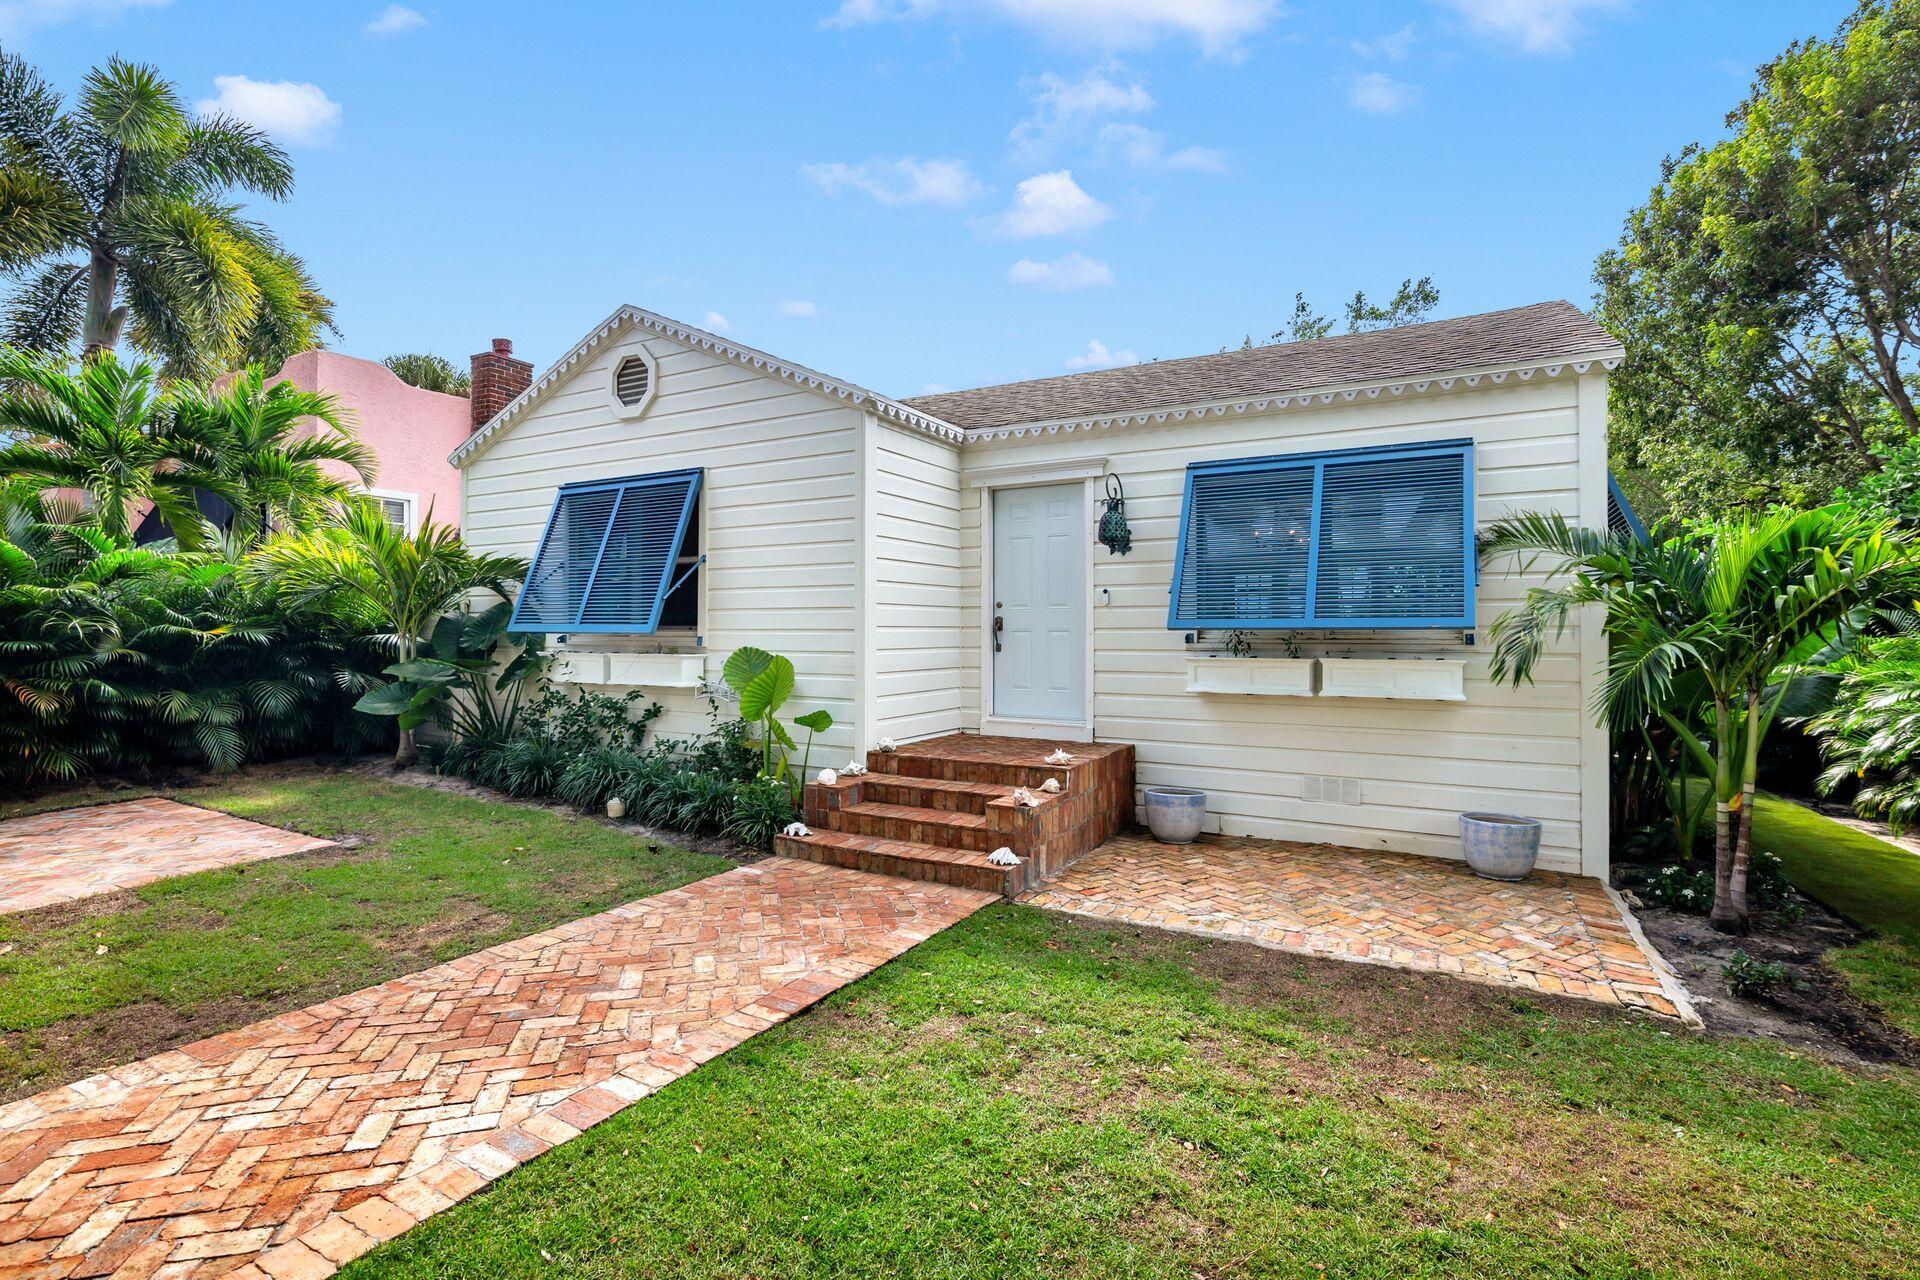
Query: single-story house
pixel 1297 624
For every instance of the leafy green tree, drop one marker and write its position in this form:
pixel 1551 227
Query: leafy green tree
pixel 116 221
pixel 430 373
pixel 1703 627
pixel 1768 292
pixel 1411 303
pixel 265 449
pixel 106 431
pixel 399 584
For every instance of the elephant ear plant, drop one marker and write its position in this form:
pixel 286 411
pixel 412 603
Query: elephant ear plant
pixel 451 679
pixel 763 682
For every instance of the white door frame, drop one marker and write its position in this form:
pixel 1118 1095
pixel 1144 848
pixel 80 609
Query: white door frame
pixel 1023 476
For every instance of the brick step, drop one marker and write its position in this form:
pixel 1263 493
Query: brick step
pixel 963 868
pixel 931 793
pixel 941 827
pixel 905 762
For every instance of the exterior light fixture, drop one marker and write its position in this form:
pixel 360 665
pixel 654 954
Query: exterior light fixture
pixel 1114 534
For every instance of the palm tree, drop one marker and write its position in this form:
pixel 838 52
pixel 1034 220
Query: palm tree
pixel 430 373
pixel 378 576
pixel 1726 609
pixel 264 450
pixel 114 221
pixel 107 431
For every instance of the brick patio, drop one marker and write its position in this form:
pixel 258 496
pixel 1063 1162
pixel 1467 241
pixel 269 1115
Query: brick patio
pixel 287 1148
pixel 68 854
pixel 1559 934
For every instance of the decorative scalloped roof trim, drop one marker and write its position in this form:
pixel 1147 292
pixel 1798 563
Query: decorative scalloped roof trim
pixel 1294 400
pixel 627 317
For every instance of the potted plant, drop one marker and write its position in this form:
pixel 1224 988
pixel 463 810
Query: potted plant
pixel 1500 846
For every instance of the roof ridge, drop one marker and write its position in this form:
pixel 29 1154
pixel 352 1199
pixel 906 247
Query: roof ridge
pixel 1395 330
pixel 1551 332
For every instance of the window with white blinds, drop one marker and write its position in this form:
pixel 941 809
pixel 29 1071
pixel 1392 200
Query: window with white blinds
pixel 1370 538
pixel 612 554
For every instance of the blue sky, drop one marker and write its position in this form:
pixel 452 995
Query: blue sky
pixel 923 194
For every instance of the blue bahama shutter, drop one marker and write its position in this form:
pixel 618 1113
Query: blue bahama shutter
pixel 605 563
pixel 1379 538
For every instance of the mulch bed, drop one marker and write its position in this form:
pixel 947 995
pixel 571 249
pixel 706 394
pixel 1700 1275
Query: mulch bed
pixel 1817 1010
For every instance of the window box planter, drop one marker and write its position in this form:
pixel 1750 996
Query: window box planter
pixel 1416 679
pixel 632 670
pixel 1267 677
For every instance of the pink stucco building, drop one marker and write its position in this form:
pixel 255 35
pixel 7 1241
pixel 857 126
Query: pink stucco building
pixel 409 431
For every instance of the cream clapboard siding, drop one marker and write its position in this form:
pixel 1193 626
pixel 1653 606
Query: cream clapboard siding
pixel 779 510
pixel 913 654
pixel 1530 751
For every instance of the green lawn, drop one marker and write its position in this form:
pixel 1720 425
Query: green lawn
pixel 1870 882
pixel 1030 1095
pixel 435 876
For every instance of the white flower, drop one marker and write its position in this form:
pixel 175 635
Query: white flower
pixel 827 777
pixel 886 744
pixel 1051 786
pixel 1060 756
pixel 1004 857
pixel 796 829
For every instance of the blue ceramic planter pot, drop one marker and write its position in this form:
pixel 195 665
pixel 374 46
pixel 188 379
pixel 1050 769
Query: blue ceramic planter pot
pixel 1500 846
pixel 1174 814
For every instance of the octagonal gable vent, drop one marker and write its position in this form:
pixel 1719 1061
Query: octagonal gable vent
pixel 630 381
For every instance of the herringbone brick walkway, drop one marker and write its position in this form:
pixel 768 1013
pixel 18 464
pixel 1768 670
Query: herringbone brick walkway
pixel 287 1148
pixel 75 853
pixel 1565 935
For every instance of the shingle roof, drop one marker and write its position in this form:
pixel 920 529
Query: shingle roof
pixel 1546 331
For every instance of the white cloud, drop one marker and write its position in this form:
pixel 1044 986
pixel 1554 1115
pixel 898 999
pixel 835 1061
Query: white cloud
pixel 908 180
pixel 1217 26
pixel 1145 148
pixel 716 323
pixel 1065 110
pixel 1393 46
pixel 1062 275
pixel 17 17
pixel 1380 94
pixel 295 113
pixel 1537 26
pixel 394 20
pixel 1050 204
pixel 1099 356
pixel 799 308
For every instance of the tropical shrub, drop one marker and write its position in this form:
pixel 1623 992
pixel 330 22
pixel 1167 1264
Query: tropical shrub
pixel 761 808
pixel 1871 733
pixel 598 774
pixel 377 577
pixel 114 657
pixel 1747 976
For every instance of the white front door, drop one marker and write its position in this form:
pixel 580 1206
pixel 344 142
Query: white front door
pixel 1037 630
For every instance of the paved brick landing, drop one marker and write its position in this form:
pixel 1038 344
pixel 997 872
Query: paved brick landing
pixel 1565 935
pixel 287 1148
pixel 67 854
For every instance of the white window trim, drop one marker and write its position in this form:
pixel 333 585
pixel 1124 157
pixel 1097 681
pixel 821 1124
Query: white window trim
pixel 397 495
pixel 620 408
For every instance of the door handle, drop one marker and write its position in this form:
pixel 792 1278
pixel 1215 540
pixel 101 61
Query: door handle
pixel 999 625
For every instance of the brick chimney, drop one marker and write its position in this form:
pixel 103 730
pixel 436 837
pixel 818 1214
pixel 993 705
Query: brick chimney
pixel 497 379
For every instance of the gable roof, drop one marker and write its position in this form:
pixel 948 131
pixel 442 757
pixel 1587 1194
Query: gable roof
pixel 629 317
pixel 1522 336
